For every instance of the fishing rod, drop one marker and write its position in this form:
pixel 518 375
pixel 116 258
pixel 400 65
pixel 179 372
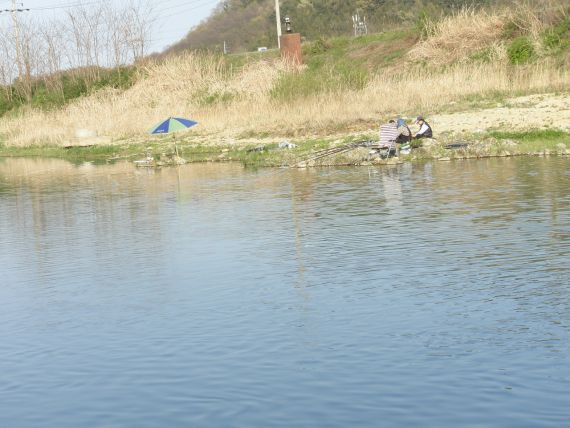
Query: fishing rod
pixel 335 150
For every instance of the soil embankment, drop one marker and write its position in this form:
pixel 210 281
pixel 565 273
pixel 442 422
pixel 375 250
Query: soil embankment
pixel 548 111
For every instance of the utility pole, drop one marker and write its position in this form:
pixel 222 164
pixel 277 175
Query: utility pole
pixel 278 18
pixel 17 39
pixel 14 11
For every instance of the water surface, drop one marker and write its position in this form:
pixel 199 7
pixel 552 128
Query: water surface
pixel 209 295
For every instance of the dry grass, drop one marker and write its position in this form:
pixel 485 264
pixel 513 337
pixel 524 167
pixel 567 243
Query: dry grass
pixel 169 91
pixel 533 16
pixel 176 87
pixel 414 92
pixel 458 36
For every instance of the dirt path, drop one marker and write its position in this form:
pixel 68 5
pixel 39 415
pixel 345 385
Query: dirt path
pixel 550 111
pixel 535 111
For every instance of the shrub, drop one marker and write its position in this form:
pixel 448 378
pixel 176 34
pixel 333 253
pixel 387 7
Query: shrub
pixel 520 50
pixel 511 30
pixel 117 78
pixel 319 46
pixel 557 37
pixel 423 24
pixel 484 55
pixel 207 99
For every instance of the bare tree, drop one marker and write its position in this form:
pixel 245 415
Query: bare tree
pixel 85 27
pixel 7 62
pixel 138 25
pixel 87 38
pixel 116 40
pixel 52 34
pixel 28 57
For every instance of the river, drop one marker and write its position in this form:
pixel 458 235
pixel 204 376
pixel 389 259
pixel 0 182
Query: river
pixel 434 294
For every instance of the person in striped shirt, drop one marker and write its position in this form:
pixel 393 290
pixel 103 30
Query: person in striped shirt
pixel 389 133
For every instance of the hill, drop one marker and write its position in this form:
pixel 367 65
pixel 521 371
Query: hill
pixel 247 24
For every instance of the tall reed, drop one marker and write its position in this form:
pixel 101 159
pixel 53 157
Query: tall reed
pixel 459 35
pixel 187 86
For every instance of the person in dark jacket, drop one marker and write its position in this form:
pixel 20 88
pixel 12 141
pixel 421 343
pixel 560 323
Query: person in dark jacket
pixel 404 133
pixel 425 129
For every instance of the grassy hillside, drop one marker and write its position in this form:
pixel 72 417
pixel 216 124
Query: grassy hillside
pixel 52 92
pixel 445 40
pixel 347 84
pixel 247 24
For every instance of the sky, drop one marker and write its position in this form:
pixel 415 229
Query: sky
pixel 174 18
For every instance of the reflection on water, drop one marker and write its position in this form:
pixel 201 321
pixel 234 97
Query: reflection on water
pixel 208 295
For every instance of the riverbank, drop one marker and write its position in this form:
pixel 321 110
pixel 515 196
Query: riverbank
pixel 270 152
pixel 533 125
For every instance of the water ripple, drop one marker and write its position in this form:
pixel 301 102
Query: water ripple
pixel 428 294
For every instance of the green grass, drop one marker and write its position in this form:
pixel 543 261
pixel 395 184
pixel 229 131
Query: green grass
pixel 252 155
pixel 205 98
pixel 531 135
pixel 341 47
pixel 330 66
pixel 319 79
pixel 521 50
pixel 271 155
pixel 536 140
pixel 73 155
pixel 340 63
pixel 65 87
pixel 557 38
pixel 527 142
pixel 484 55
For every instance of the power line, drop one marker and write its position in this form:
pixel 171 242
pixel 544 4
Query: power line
pixel 71 5
pixel 14 8
pixel 186 3
pixel 95 2
pixel 197 6
pixel 173 8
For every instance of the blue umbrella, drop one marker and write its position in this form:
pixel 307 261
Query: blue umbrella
pixel 172 124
